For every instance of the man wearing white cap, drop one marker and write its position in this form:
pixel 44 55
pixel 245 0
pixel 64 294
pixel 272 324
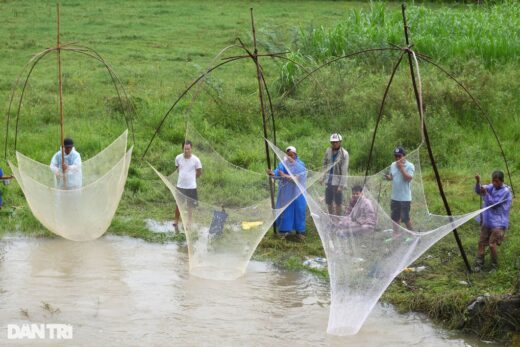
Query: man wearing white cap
pixel 336 178
pixel 289 196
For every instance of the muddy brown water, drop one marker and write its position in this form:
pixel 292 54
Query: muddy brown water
pixel 118 291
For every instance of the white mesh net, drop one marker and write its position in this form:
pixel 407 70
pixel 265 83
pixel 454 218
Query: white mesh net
pixel 365 249
pixel 83 213
pixel 232 214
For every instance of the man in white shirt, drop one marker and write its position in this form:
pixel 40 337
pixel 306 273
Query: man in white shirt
pixel 190 168
pixel 68 174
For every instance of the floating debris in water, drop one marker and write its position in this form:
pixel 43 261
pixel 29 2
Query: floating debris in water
pixel 414 269
pixel 49 308
pixel 159 227
pixel 249 225
pixel 316 263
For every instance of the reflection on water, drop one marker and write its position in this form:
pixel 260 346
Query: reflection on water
pixel 124 292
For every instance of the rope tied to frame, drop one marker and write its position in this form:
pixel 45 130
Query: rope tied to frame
pixel 419 89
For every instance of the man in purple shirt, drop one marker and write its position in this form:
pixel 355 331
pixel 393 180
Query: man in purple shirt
pixel 495 220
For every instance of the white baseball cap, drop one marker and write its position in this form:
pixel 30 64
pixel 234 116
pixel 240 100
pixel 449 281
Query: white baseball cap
pixel 291 149
pixel 335 137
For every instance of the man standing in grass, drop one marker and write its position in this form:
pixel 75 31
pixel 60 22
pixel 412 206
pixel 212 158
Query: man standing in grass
pixel 336 179
pixel 5 181
pixel 68 174
pixel 401 175
pixel 289 194
pixel 495 220
pixel 190 168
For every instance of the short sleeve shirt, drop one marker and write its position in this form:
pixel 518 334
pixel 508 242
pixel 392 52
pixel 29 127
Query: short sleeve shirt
pixel 401 189
pixel 187 171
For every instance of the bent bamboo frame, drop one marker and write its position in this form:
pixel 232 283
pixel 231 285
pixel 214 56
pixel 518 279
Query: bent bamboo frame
pixel 24 77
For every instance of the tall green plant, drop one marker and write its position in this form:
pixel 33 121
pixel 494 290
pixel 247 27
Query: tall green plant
pixel 488 33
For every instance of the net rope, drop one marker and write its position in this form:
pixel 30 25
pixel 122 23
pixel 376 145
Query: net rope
pixel 233 211
pixel 365 249
pixel 81 213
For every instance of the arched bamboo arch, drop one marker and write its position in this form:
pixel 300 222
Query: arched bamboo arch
pixel 413 58
pixel 24 77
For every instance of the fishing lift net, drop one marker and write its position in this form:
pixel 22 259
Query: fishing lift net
pixel 365 250
pixel 232 214
pixel 79 213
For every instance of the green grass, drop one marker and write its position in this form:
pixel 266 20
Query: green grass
pixel 449 33
pixel 159 47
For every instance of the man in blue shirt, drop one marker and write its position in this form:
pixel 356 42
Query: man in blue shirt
pixel 495 220
pixel 289 194
pixel 401 175
pixel 5 180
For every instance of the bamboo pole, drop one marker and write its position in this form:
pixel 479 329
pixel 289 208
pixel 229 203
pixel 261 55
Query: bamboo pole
pixel 262 110
pixel 23 80
pixel 60 92
pixel 380 115
pixel 427 139
pixel 483 113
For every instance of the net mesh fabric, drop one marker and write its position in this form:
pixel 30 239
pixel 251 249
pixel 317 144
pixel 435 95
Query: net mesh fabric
pixel 365 254
pixel 232 214
pixel 78 214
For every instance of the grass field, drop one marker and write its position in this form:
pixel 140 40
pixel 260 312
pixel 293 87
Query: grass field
pixel 159 47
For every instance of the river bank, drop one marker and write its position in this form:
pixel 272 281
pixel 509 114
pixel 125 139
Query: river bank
pixel 157 61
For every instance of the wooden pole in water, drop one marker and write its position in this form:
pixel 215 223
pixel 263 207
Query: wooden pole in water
pixel 427 139
pixel 60 92
pixel 262 110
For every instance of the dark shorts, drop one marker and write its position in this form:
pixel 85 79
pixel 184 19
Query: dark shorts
pixel 491 235
pixel 332 194
pixel 188 197
pixel 400 211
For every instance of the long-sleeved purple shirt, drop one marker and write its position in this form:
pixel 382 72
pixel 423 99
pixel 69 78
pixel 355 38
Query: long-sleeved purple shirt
pixel 496 216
